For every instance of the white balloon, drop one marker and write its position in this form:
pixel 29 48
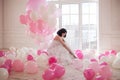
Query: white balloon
pixel 116 63
pixel 104 59
pixel 118 54
pixel 3 74
pixel 86 63
pixel 52 21
pixel 42 60
pixel 111 58
pixel 12 49
pixel 34 16
pixel 11 56
pixel 51 8
pixel 2 60
pixel 77 63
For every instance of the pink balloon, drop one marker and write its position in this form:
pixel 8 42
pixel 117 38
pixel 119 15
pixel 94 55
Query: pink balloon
pixel 33 28
pixel 52 66
pixel 59 71
pixel 45 52
pixel 79 54
pixel 39 52
pixel 40 26
pixel 78 51
pixel 18 65
pixel 89 74
pixel 104 63
pixel 105 72
pixel 52 60
pixel 31 67
pixel 113 52
pixel 93 60
pixel 2 53
pixel 30 58
pixel 48 74
pixel 23 19
pixel 101 55
pixel 8 62
pixel 107 53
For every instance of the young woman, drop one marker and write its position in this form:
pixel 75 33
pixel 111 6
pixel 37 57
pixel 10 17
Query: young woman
pixel 60 49
pixel 65 56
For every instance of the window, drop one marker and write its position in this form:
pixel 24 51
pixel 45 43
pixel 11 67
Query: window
pixel 89 25
pixel 81 21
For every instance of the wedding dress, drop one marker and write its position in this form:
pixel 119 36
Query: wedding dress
pixel 65 58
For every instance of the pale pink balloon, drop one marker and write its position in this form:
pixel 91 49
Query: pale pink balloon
pixel 34 4
pixel 95 66
pixel 31 67
pixel 40 25
pixel 105 72
pixel 77 63
pixel 48 74
pixel 89 74
pixel 107 53
pixel 18 65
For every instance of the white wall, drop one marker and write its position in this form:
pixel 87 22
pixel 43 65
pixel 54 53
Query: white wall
pixel 1 27
pixel 14 32
pixel 109 24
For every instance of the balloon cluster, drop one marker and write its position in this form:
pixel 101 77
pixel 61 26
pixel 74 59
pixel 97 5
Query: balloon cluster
pixel 29 61
pixel 40 19
pixel 96 71
pixel 96 67
pixel 55 71
pixel 99 68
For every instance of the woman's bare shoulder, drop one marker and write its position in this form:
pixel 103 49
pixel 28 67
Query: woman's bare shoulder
pixel 57 37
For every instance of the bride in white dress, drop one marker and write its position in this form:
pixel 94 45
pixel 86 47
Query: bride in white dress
pixel 65 55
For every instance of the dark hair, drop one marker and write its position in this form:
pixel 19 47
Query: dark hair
pixel 60 31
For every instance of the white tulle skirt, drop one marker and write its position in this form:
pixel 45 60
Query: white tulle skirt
pixel 65 58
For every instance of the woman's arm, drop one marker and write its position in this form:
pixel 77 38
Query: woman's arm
pixel 64 45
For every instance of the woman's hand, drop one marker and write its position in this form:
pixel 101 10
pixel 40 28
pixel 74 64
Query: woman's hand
pixel 72 54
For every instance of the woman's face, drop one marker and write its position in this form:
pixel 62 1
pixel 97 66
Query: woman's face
pixel 64 35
